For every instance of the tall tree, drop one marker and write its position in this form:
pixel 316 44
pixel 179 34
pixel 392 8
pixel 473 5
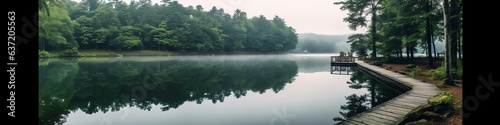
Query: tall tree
pixel 449 80
pixel 359 43
pixel 358 9
pixel 107 25
pixel 428 34
pixel 56 31
pixel 92 4
pixel 454 29
pixel 43 5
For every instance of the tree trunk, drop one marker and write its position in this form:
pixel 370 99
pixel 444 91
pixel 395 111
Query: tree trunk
pixel 412 53
pixel 459 47
pixel 460 39
pixel 434 46
pixel 401 52
pixel 408 52
pixel 429 36
pixel 374 31
pixel 449 79
pixel 432 34
pixel 453 11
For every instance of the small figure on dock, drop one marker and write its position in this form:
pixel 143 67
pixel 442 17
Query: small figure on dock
pixel 342 54
pixel 349 53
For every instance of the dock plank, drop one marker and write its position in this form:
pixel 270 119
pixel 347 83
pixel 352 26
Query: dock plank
pixel 383 117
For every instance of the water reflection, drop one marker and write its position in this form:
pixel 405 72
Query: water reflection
pixel 356 103
pixel 241 90
pixel 69 85
pixel 341 70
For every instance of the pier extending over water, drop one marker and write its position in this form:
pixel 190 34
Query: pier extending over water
pixel 392 112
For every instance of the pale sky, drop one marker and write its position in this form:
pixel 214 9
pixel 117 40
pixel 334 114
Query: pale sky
pixel 306 16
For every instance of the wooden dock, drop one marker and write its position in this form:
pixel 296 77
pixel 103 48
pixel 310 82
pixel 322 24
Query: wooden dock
pixel 343 61
pixel 392 112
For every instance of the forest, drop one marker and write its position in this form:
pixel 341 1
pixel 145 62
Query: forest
pixel 68 27
pixel 397 28
pixel 400 27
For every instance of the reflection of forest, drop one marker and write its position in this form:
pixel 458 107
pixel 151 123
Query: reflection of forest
pixel 70 85
pixel 378 93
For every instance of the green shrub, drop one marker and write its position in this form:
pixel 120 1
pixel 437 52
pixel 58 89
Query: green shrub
pixel 436 74
pixel 410 67
pixel 444 98
pixel 415 72
pixel 440 72
pixel 73 52
pixel 457 73
pixel 43 54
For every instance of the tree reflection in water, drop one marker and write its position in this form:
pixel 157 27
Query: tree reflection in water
pixel 69 85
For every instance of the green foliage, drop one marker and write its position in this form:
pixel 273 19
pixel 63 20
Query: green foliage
pixel 140 25
pixel 56 31
pixel 43 54
pixel 359 43
pixel 437 74
pixel 460 105
pixel 440 74
pixel 69 52
pixel 410 67
pixel 458 72
pixel 444 98
pixel 415 72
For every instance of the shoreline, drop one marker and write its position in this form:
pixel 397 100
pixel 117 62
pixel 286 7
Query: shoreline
pixel 139 53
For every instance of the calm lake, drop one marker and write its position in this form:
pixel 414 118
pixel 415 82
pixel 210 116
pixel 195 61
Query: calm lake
pixel 293 89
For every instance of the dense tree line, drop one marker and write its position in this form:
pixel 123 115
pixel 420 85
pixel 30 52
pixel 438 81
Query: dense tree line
pixel 165 26
pixel 399 27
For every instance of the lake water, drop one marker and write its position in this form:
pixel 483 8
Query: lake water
pixel 293 89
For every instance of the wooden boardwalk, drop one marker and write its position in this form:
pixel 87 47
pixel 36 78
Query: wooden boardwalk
pixel 392 112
